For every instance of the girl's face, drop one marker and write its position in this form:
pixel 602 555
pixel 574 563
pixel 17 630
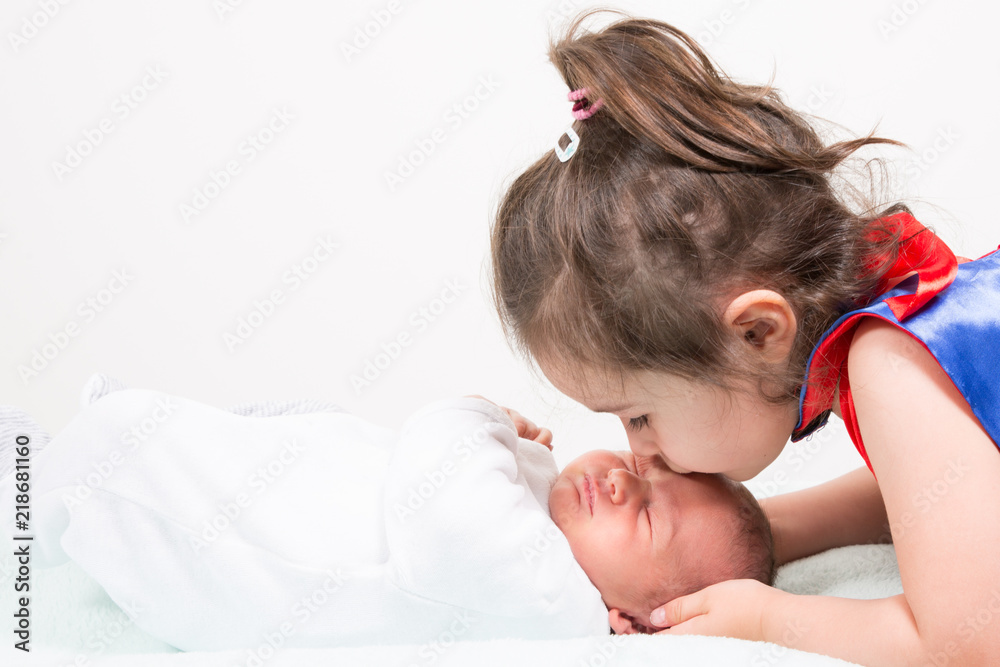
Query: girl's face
pixel 694 426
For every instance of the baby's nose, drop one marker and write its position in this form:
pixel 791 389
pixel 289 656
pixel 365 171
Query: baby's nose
pixel 622 485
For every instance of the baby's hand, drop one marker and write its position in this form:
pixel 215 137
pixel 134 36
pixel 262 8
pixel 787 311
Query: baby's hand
pixel 525 427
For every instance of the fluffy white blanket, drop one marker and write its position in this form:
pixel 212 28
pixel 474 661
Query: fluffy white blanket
pixel 75 623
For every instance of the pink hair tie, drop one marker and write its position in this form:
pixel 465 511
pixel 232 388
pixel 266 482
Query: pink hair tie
pixel 582 107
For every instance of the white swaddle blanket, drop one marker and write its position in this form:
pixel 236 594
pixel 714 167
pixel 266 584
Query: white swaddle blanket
pixel 215 530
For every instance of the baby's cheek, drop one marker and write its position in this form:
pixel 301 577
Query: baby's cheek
pixel 559 505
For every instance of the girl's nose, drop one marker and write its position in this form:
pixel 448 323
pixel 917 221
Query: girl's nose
pixel 642 446
pixel 623 485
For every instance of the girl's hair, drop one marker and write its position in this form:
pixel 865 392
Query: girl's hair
pixel 687 189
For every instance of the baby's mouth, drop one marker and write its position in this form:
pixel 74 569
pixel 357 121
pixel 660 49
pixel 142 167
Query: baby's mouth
pixel 588 488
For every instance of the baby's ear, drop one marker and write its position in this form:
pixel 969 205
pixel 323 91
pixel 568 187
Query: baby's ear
pixel 622 623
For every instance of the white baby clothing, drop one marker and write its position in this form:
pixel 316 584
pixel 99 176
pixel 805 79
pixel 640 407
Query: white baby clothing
pixel 217 530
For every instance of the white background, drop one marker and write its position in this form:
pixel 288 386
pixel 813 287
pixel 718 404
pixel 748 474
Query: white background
pixel 924 72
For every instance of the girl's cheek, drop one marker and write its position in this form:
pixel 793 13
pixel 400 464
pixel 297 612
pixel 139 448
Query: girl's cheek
pixel 672 451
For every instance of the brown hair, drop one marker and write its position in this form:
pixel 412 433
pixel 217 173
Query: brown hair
pixel 754 543
pixel 686 187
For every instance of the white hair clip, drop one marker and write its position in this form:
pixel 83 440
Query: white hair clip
pixel 574 142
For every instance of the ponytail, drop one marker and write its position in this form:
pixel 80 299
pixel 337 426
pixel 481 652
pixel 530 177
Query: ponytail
pixel 659 85
pixel 686 187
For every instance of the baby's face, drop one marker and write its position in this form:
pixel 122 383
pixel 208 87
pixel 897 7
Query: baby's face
pixel 635 526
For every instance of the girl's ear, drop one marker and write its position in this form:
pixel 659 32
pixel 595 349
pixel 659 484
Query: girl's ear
pixel 765 320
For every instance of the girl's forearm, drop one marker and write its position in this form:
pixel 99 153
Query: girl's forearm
pixel 845 510
pixel 868 632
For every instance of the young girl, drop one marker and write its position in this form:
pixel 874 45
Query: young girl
pixel 686 263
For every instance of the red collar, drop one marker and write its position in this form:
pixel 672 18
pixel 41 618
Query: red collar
pixel 920 251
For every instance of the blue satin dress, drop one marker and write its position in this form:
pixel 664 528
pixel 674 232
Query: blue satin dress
pixel 959 325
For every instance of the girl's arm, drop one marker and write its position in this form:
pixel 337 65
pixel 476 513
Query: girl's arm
pixel 939 475
pixel 845 510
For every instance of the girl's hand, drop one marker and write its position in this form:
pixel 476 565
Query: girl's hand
pixel 525 427
pixel 727 609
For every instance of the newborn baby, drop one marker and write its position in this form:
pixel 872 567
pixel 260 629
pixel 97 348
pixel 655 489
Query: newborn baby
pixel 646 535
pixel 216 530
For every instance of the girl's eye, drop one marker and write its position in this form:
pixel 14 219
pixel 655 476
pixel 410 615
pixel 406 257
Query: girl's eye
pixel 637 423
